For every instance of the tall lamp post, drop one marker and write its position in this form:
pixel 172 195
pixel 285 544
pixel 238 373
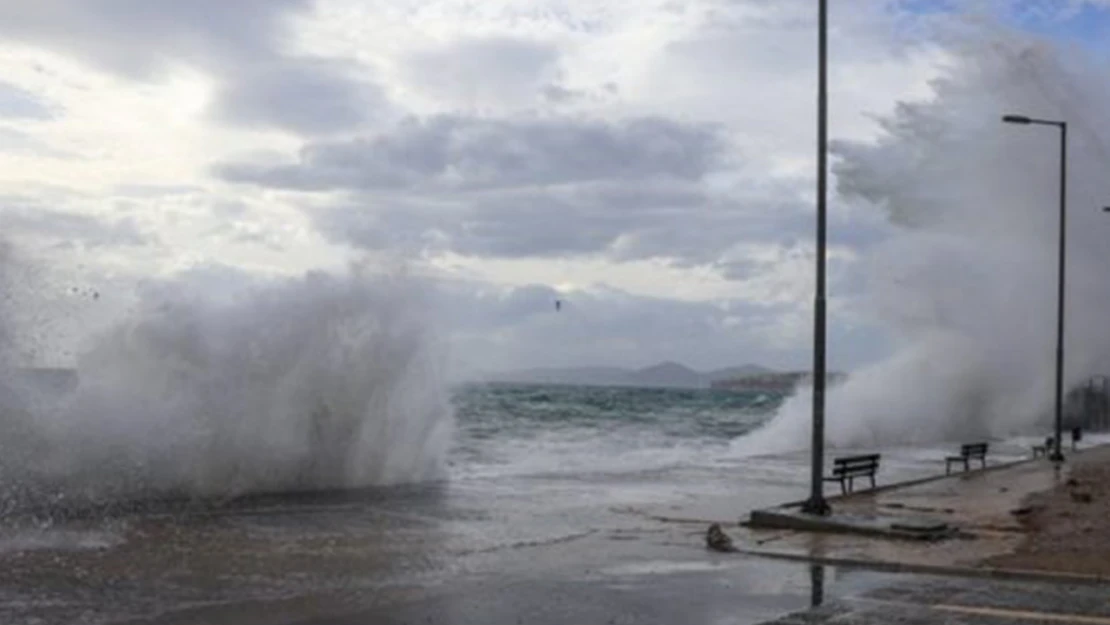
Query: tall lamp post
pixel 816 503
pixel 1056 454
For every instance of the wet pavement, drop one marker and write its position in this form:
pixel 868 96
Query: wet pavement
pixel 728 592
pixel 959 601
pixel 978 506
pixel 586 548
pixel 443 552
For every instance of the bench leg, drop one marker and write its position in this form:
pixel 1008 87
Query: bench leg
pixel 947 466
pixel 983 462
pixel 967 465
pixel 872 476
pixel 843 487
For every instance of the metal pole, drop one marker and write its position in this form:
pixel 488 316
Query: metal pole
pixel 1057 455
pixel 816 503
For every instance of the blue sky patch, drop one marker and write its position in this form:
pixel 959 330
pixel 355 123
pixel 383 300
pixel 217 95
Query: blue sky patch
pixel 1085 22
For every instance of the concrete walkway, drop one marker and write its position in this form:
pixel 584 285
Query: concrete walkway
pixel 983 506
pixel 945 581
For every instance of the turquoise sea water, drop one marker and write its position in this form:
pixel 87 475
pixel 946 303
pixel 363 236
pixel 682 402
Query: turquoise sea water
pixel 536 429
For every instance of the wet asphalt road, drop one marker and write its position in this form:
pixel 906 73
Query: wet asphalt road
pixel 663 593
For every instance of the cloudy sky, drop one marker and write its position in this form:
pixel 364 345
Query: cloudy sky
pixel 650 162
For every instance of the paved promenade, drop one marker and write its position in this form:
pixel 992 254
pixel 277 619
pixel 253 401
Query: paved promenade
pixel 989 508
pixel 1035 550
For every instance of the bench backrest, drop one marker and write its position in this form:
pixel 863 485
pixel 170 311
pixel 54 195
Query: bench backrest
pixel 856 464
pixel 973 449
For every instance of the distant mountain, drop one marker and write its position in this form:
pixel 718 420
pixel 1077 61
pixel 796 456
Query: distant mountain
pixel 591 376
pixel 668 374
pixel 664 375
pixel 732 373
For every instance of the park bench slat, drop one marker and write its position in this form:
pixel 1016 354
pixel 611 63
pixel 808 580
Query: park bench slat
pixel 847 468
pixel 968 452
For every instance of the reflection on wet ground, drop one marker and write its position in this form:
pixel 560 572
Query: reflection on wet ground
pixel 816 585
pixel 613 547
pixel 962 601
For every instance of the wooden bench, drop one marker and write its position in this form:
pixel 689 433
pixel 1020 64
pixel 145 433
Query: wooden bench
pixel 846 469
pixel 968 451
pixel 1042 450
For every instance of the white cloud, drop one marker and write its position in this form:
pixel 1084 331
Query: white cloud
pixel 484 75
pixel 238 44
pixel 656 149
pixel 18 103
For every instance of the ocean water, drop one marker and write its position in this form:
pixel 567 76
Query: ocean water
pixel 511 429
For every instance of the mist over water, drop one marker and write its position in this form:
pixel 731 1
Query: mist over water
pixel 967 283
pixel 315 382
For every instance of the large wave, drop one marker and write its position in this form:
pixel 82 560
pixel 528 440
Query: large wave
pixel 323 381
pixel 967 282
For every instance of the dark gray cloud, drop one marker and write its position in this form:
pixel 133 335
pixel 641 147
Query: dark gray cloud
pixel 454 152
pixel 558 94
pixel 622 220
pixel 18 103
pixel 310 96
pixel 140 38
pixel 537 187
pixel 240 42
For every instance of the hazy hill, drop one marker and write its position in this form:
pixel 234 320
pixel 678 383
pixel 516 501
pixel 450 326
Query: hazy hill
pixel 737 372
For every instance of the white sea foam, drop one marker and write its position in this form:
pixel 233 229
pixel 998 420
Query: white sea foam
pixel 329 380
pixel 967 283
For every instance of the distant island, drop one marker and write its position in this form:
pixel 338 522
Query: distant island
pixel 773 382
pixel 748 377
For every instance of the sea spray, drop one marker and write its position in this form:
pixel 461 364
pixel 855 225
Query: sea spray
pixel 966 285
pixel 324 381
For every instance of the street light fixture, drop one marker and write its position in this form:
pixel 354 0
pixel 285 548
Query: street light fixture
pixel 1056 454
pixel 816 503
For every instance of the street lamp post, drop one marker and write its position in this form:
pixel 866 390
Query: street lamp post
pixel 816 503
pixel 1056 454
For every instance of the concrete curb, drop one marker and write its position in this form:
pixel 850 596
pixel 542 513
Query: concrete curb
pixel 784 519
pixel 935 569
